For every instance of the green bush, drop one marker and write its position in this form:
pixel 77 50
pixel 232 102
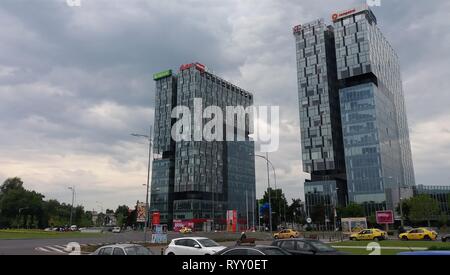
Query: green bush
pixel 436 247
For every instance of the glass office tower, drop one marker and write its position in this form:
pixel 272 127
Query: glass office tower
pixel 320 120
pixel 352 111
pixel 204 178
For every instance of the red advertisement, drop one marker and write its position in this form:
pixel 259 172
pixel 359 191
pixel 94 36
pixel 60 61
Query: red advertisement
pixel 156 218
pixel 385 217
pixel 232 220
pixel 178 224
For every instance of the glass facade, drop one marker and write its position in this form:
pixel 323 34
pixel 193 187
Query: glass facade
pixel 352 109
pixel 326 194
pixel 372 152
pixel 320 120
pixel 209 177
pixel 318 99
pixel 363 55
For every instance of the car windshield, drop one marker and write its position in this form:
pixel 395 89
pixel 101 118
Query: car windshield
pixel 137 250
pixel 273 251
pixel 208 243
pixel 322 247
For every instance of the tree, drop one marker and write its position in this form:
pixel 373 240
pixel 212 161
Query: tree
pixel 351 210
pixel 279 205
pixel 122 213
pixel 295 211
pixel 423 208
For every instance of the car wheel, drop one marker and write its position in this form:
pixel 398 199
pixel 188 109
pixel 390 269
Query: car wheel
pixel 404 238
pixel 444 240
pixel 376 239
pixel 171 254
pixel 427 238
pixel 292 237
pixel 352 239
pixel 276 237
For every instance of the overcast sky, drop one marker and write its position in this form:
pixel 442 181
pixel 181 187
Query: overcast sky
pixel 76 81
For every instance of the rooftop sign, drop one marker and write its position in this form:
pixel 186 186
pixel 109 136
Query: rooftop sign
pixel 162 74
pixel 197 65
pixel 339 15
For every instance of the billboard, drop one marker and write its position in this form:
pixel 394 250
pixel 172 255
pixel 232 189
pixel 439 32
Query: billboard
pixel 350 225
pixel 178 224
pixel 231 220
pixel 141 212
pixel 385 217
pixel 162 74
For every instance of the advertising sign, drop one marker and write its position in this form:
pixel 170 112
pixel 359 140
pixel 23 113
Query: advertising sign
pixel 385 217
pixel 338 15
pixel 232 220
pixel 178 224
pixel 351 225
pixel 159 233
pixel 141 212
pixel 162 74
pixel 156 218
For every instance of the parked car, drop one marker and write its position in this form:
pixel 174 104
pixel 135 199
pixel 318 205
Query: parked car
pixel 369 234
pixel 185 230
pixel 122 249
pixel 286 233
pixel 257 250
pixel 193 246
pixel 73 228
pixel 446 238
pixel 116 230
pixel 419 234
pixel 306 247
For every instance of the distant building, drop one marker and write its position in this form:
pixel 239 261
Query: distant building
pixel 440 193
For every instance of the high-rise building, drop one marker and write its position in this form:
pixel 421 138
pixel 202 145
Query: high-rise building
pixel 194 182
pixel 370 104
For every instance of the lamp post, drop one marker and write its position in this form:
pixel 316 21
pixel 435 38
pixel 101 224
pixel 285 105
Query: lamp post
pixel 71 207
pixel 268 185
pixel 150 145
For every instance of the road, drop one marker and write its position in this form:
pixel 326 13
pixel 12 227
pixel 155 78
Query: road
pixel 56 246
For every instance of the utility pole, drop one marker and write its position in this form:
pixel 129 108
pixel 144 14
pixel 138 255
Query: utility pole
pixel 246 206
pixel 147 205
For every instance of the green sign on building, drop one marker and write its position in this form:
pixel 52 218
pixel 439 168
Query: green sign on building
pixel 162 74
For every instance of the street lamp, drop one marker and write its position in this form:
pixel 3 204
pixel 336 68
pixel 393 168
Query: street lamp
pixel 268 184
pixel 150 145
pixel 71 207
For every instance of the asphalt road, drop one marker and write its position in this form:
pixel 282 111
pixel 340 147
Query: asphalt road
pixel 56 246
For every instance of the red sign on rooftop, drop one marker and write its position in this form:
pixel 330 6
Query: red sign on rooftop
pixel 197 65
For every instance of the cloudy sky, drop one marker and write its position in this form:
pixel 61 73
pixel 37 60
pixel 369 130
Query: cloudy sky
pixel 76 81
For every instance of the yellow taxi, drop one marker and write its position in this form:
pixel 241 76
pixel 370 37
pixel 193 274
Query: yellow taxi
pixel 419 234
pixel 185 230
pixel 286 234
pixel 369 234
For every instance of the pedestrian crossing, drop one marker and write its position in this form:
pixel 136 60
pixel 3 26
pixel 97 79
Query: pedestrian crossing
pixel 53 249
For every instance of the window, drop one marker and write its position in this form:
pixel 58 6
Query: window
pixel 288 245
pixel 106 251
pixel 118 251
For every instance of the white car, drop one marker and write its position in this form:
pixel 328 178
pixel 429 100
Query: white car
pixel 193 246
pixel 122 249
pixel 116 230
